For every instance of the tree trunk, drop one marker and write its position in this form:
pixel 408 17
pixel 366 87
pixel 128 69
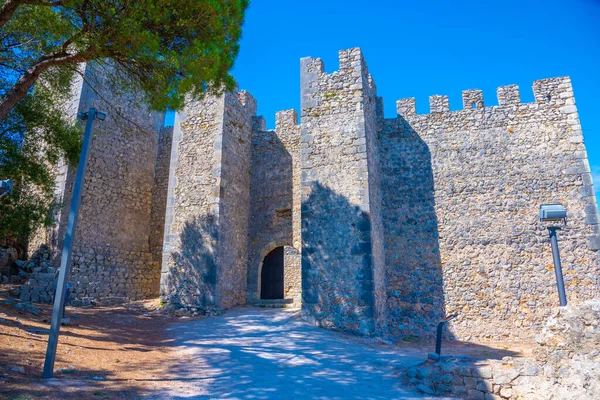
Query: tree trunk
pixel 8 9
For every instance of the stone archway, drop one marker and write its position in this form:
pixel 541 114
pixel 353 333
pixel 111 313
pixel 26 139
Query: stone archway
pixel 292 281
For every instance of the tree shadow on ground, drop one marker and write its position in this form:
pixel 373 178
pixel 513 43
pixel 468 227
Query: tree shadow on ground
pixel 273 354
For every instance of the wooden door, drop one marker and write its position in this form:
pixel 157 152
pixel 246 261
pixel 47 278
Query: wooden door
pixel 271 276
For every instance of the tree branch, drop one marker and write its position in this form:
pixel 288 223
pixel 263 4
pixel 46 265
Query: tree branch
pixel 44 3
pixel 9 46
pixel 10 6
pixel 8 9
pixel 20 88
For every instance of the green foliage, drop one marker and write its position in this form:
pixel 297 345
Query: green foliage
pixel 29 160
pixel 169 48
pixel 166 49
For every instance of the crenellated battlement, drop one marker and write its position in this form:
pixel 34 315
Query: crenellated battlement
pixel 259 124
pixel 286 119
pixel 335 92
pixel 247 101
pixel 349 59
pixel 438 104
pixel 508 95
pixel 472 98
pixel 552 91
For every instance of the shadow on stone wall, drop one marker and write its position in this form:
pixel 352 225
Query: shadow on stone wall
pixel 415 295
pixel 337 270
pixel 192 277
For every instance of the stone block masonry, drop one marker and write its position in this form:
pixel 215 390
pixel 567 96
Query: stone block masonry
pixel 566 364
pixel 162 163
pixel 111 258
pixel 396 222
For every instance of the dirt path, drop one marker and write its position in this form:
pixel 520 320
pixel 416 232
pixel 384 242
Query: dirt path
pixel 272 354
pixel 133 351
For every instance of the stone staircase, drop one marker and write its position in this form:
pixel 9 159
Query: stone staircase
pixel 276 303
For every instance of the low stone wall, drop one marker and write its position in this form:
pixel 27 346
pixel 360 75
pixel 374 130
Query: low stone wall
pixel 472 379
pixel 100 275
pixel 566 364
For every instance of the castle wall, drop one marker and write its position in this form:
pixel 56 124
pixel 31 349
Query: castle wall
pixel 462 192
pixel 62 193
pixel 373 116
pixel 288 129
pixel 275 206
pixel 111 257
pixel 388 224
pixel 206 224
pixel 292 274
pixel 414 286
pixel 337 249
pixel 111 260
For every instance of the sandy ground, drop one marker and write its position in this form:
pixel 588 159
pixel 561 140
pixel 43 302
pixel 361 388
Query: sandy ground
pixel 134 351
pixel 106 352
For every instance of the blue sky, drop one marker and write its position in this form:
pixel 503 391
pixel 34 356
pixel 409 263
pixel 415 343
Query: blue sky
pixel 421 48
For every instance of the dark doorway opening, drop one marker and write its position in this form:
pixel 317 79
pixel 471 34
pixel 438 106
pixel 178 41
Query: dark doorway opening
pixel 271 276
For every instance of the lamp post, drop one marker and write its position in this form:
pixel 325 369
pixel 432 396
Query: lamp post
pixel 562 296
pixel 65 261
pixel 555 213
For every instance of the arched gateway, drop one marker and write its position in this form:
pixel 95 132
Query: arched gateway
pixel 271 276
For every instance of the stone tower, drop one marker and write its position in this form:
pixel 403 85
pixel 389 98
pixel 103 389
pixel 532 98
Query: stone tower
pixel 342 236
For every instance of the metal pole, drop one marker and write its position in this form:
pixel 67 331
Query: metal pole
pixel 438 338
pixel 557 266
pixel 67 251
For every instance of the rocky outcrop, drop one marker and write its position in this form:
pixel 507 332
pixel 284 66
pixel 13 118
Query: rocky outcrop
pixel 566 364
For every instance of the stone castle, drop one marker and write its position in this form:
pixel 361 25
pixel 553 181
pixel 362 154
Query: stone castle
pixel 377 226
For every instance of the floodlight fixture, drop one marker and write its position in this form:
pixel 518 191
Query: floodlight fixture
pixel 84 115
pixel 553 213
